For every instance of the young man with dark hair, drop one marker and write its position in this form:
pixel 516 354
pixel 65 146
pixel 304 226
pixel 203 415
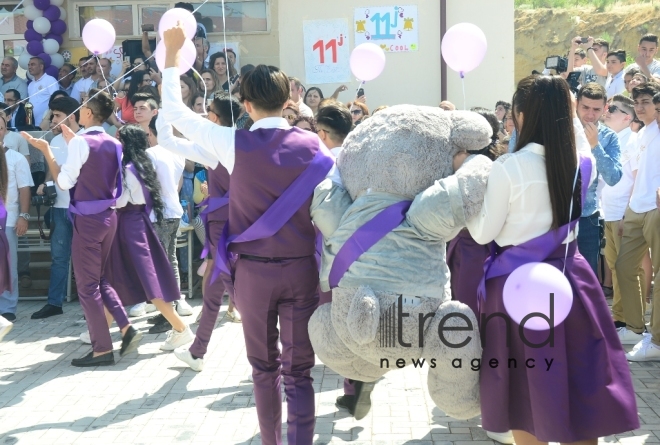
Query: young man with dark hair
pixel 145 108
pixel 333 123
pixel 646 51
pixel 273 266
pixel 90 77
pixel 641 231
pixel 62 230
pixel 579 58
pixel 605 148
pixel 92 172
pixel 616 62
pixel 596 50
pixel 66 76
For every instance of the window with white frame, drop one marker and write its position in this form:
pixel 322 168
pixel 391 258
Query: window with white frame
pixel 13 25
pixel 128 17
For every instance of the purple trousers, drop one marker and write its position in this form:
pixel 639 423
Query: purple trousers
pixel 90 249
pixel 264 293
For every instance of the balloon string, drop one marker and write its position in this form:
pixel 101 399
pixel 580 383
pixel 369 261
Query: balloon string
pixel 224 38
pixel 570 213
pixel 464 97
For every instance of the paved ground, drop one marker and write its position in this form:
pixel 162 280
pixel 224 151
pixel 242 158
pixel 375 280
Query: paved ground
pixel 151 398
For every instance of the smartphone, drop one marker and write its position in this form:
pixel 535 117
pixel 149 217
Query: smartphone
pixel 360 92
pixel 127 59
pixel 584 40
pixel 148 28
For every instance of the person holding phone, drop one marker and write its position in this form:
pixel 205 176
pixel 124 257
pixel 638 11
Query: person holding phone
pixel 596 50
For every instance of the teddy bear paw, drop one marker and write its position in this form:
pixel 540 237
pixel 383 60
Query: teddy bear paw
pixel 363 317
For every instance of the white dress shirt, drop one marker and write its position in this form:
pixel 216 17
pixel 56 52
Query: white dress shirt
pixel 304 109
pixel 40 92
pixel 81 86
pixel 61 152
pixel 19 176
pixel 78 155
pixel 132 192
pixel 169 169
pixel 615 199
pixel 16 142
pixel 615 84
pixel 643 197
pixel 213 143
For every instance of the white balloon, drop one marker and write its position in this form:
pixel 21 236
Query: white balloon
pixel 62 13
pixel 51 46
pixel 57 2
pixel 42 25
pixel 24 59
pixel 28 3
pixel 32 13
pixel 57 60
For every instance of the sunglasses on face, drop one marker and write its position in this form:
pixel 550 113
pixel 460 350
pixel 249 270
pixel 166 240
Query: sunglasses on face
pixel 290 117
pixel 614 109
pixel 356 112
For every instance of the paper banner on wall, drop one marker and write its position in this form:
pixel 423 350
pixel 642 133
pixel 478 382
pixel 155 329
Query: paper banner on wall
pixel 220 47
pixel 394 28
pixel 116 55
pixel 327 53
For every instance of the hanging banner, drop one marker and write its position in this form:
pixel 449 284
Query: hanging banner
pixel 394 28
pixel 326 51
pixel 116 56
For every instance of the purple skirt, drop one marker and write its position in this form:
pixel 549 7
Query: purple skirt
pixel 5 271
pixel 587 391
pixel 138 268
pixel 465 259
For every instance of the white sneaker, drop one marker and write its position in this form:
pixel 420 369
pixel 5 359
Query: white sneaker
pixel 5 327
pixel 183 354
pixel 149 308
pixel 138 310
pixel 234 316
pixel 183 308
pixel 85 338
pixel 628 337
pixel 644 351
pixel 506 438
pixel 176 339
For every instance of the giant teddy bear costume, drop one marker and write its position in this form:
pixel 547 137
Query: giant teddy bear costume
pixel 404 153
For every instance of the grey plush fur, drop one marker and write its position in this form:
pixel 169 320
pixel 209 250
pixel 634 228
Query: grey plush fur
pixel 403 152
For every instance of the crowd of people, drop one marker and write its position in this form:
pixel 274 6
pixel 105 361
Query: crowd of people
pixel 131 154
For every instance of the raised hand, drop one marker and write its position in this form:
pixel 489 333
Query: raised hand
pixel 174 38
pixel 39 144
pixel 67 133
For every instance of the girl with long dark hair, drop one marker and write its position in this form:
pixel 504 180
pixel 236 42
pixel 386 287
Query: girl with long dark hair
pixel 5 273
pixel 570 383
pixel 138 268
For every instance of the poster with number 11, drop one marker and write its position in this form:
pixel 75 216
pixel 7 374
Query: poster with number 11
pixel 393 28
pixel 326 51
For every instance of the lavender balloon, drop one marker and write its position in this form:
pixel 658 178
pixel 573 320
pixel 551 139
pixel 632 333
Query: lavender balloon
pixel 46 58
pixel 187 56
pixel 53 71
pixel 367 61
pixel 35 47
pixel 170 18
pixel 464 47
pixel 52 13
pixel 31 34
pixel 55 37
pixel 58 27
pixel 99 36
pixel 41 4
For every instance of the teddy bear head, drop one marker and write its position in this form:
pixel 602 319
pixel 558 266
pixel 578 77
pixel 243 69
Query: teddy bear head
pixel 403 149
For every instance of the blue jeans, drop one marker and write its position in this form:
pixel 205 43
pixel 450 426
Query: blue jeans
pixel 589 240
pixel 60 251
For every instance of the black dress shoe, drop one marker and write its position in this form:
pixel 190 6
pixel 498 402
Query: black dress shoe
pixel 89 360
pixel 9 316
pixel 162 326
pixel 130 341
pixel 156 319
pixel 47 311
pixel 363 398
pixel 346 402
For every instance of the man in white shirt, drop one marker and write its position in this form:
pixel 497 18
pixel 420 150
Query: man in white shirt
pixel 61 232
pixel 40 89
pixel 646 51
pixel 616 62
pixel 297 94
pixel 597 50
pixel 641 231
pixel 18 206
pixel 87 67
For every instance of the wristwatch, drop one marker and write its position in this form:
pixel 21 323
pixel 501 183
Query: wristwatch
pixel 25 216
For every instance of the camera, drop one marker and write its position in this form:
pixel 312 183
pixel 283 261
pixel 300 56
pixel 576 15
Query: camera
pixel 48 198
pixel 557 63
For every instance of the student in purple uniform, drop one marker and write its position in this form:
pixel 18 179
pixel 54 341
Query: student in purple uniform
pixel 5 273
pixel 92 175
pixel 274 169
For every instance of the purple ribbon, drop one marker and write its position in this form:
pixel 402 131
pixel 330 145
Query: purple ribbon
pixel 97 206
pixel 3 215
pixel 149 203
pixel 281 211
pixel 365 237
pixel 212 203
pixel 534 250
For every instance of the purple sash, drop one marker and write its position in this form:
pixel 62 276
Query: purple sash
pixel 534 250
pixel 281 211
pixel 98 206
pixel 3 215
pixel 212 204
pixel 365 237
pixel 145 191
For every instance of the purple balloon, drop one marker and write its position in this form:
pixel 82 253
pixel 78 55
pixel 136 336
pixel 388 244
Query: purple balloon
pixel 53 71
pixel 46 58
pixel 55 37
pixel 30 24
pixel 35 47
pixel 31 34
pixel 58 27
pixel 41 4
pixel 52 13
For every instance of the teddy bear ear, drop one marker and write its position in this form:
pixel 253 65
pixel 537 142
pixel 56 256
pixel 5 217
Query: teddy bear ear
pixel 469 130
